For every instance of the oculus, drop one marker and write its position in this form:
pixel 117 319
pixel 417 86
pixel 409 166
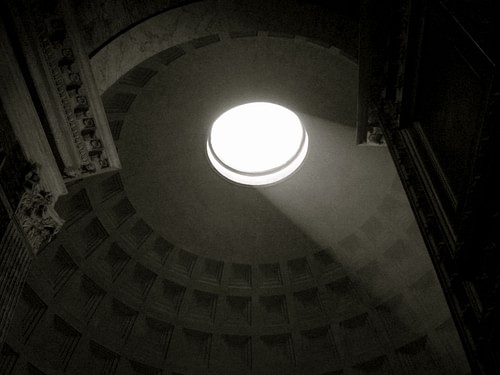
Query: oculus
pixel 257 144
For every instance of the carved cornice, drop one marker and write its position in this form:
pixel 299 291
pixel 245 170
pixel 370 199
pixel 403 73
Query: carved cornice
pixel 77 123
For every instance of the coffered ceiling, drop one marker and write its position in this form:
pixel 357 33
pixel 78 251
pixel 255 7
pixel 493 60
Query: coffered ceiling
pixel 167 268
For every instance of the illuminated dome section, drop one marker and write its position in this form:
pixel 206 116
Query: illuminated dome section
pixel 257 143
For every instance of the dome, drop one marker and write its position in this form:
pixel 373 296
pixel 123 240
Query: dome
pixel 168 268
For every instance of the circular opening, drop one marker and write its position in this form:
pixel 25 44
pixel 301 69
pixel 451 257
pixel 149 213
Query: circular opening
pixel 257 143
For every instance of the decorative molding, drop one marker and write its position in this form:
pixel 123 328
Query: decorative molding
pixel 20 114
pixel 110 187
pixel 239 310
pixel 8 359
pixel 299 270
pixel 64 339
pixel 238 350
pixel 118 102
pixel 157 336
pixel 270 275
pixel 116 128
pixel 142 369
pixel 205 41
pixel 158 251
pixel 30 310
pixel 360 336
pixel 75 206
pixel 91 296
pixel 278 348
pixel 183 263
pixel 211 271
pixel 327 261
pixel 139 283
pixel 274 310
pixel 379 365
pixel 170 297
pixel 91 236
pixel 308 304
pixel 170 55
pixel 120 212
pixel 114 261
pixel 138 233
pixel 345 297
pixel 65 85
pixel 35 212
pixel 138 77
pixel 199 344
pixel 103 360
pixel 123 320
pixel 203 306
pixel 240 276
pixel 318 344
pixel 15 260
pixel 62 267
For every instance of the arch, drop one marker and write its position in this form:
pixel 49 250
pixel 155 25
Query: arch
pixel 209 17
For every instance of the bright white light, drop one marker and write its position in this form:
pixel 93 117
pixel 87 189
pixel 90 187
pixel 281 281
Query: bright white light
pixel 257 143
